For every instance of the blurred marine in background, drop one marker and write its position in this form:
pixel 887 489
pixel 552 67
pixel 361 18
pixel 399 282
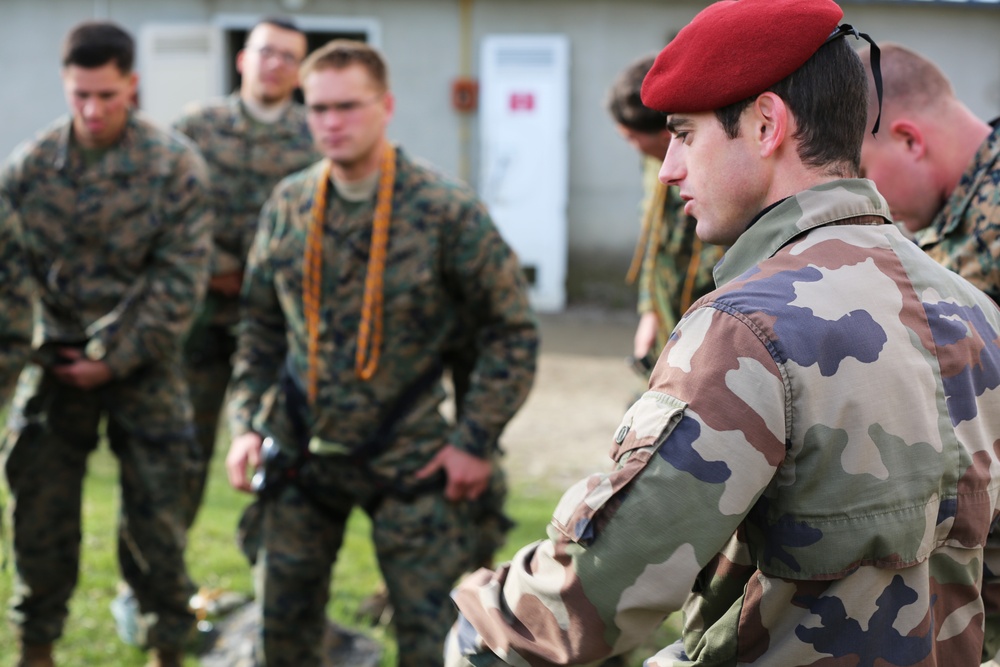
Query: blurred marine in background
pixel 17 292
pixel 250 140
pixel 938 166
pixel 117 226
pixel 365 271
pixel 672 265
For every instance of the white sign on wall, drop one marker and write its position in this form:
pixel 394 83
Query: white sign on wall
pixel 524 129
pixel 177 64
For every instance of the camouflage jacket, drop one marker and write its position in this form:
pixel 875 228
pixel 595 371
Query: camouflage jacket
pixel 677 266
pixel 246 159
pixel 16 297
pixel 811 477
pixel 965 234
pixel 446 260
pixel 119 249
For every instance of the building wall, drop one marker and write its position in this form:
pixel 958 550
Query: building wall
pixel 425 40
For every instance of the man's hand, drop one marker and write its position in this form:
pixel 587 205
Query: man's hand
pixel 467 475
pixel 645 335
pixel 79 371
pixel 244 452
pixel 226 284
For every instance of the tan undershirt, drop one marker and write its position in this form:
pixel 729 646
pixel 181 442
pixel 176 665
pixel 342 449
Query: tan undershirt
pixel 266 114
pixel 357 191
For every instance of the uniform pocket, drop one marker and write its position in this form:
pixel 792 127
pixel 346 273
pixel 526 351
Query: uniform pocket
pixel 642 430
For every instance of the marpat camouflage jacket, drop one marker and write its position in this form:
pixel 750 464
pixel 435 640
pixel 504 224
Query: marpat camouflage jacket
pixel 445 261
pixel 246 159
pixel 965 234
pixel 17 292
pixel 119 249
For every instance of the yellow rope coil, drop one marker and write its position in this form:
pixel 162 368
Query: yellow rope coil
pixel 370 328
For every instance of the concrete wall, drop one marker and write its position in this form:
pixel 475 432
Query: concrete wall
pixel 424 41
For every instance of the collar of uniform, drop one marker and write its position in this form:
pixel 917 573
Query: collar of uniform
pixel 243 121
pixel 65 134
pixel 116 165
pixel 985 164
pixel 824 204
pixel 315 172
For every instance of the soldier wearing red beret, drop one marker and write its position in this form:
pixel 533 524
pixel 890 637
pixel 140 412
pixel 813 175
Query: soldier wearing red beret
pixel 812 476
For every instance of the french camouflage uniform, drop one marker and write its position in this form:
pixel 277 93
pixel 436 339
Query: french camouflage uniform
pixel 16 298
pixel 676 267
pixel 811 477
pixel 119 246
pixel 965 234
pixel 446 262
pixel 246 159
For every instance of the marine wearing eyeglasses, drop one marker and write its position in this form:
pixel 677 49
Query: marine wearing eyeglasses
pixel 116 221
pixel 369 275
pixel 251 140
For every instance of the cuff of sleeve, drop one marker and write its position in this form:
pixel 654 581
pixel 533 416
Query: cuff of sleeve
pixel 119 361
pixel 240 417
pixel 645 305
pixel 472 439
pixel 238 428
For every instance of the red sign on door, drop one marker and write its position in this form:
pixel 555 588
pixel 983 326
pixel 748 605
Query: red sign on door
pixel 522 101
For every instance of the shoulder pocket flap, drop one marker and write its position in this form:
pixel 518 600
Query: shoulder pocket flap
pixel 643 429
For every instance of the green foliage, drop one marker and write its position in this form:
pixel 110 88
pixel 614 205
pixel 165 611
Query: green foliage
pixel 215 562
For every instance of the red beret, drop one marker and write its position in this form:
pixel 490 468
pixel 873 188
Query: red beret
pixel 734 49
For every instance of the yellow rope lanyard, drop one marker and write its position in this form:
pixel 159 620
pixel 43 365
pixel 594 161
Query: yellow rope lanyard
pixel 692 276
pixel 651 224
pixel 370 328
pixel 651 220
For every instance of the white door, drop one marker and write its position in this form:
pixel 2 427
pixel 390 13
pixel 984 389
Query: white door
pixel 524 116
pixel 178 64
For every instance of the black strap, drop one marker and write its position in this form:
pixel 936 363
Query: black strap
pixel 876 60
pixel 378 441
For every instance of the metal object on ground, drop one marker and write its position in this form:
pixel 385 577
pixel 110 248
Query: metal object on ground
pixel 234 646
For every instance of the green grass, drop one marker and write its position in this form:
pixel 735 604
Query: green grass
pixel 214 561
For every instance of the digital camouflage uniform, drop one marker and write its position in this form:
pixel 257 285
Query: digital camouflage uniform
pixel 16 294
pixel 119 248
pixel 811 477
pixel 676 266
pixel 246 159
pixel 446 263
pixel 965 234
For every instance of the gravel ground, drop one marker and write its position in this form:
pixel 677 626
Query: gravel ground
pixel 583 387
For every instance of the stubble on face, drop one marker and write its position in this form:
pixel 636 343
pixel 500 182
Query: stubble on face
pixel 714 173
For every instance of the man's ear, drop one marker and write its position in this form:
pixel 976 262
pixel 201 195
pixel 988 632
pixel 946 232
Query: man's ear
pixel 771 121
pixel 239 60
pixel 910 137
pixel 390 104
pixel 133 86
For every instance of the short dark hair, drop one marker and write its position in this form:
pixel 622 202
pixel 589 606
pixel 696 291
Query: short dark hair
pixel 342 53
pixel 96 43
pixel 283 22
pixel 828 96
pixel 625 103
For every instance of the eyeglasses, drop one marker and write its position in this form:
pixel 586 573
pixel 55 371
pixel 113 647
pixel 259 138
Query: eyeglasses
pixel 345 108
pixel 287 59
